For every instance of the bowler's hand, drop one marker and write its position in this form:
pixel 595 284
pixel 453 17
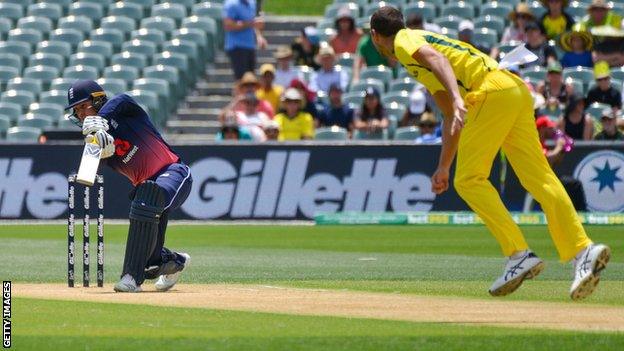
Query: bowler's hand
pixel 459 111
pixel 440 181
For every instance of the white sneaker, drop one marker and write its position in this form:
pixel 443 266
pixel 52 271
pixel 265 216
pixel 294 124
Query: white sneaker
pixel 587 266
pixel 167 281
pixel 516 271
pixel 127 284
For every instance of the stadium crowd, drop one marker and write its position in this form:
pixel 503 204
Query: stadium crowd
pixel 331 83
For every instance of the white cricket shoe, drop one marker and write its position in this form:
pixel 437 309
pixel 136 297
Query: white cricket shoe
pixel 527 266
pixel 127 284
pixel 167 281
pixel 587 266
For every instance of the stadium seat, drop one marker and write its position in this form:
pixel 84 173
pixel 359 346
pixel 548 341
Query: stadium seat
pixel 206 24
pixel 99 47
pixel 11 60
pixel 331 133
pixel 23 134
pixel 88 59
pixel 407 133
pixel 129 59
pixel 400 97
pixel 81 72
pixel 45 9
pixel 21 49
pixel 35 120
pixel 460 9
pixel 61 83
pixel 142 47
pixel 577 85
pixel 127 9
pixel 113 36
pixel 198 36
pixel 163 24
pixel 44 73
pixel 498 9
pixel 92 10
pixel 171 10
pixel 5 26
pixel 537 8
pixel 82 24
pixel 71 36
pixel 427 10
pixel 64 4
pixel 113 85
pixel 11 110
pixel 58 97
pixel 150 100
pixel 7 73
pixel 176 60
pixel 362 135
pixel 491 22
pixel 485 37
pixel 28 36
pixel 595 110
pixel 372 7
pixel 128 74
pixel 331 10
pixel 51 60
pixel 188 4
pixel 353 99
pixel 325 23
pixel 27 84
pixel 158 86
pixel 402 84
pixel 54 47
pixel 212 10
pixel 383 73
pixel 66 123
pixel 53 111
pixel 40 24
pixel 451 22
pixel 345 59
pixel 124 24
pixel 584 74
pixel 617 73
pixel 576 9
pixel 364 84
pixel 154 35
pixel 20 97
pixel 145 4
pixel 11 11
pixel 190 50
pixel 536 71
pixel 5 124
pixel 168 73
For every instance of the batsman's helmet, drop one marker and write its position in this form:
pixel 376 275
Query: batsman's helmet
pixel 83 90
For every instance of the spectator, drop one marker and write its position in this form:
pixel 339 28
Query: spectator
pixel 536 43
pixel 269 91
pixel 519 17
pixel 556 20
pixel 242 34
pixel 604 92
pixel 466 30
pixel 285 72
pixel 575 122
pixel 294 123
pixel 248 84
pixel 554 88
pixel 427 125
pixel 251 118
pixel 347 34
pixel 416 108
pixel 328 73
pixel 336 113
pixel 371 117
pixel 309 97
pixel 415 21
pixel 600 15
pixel 271 130
pixel 577 44
pixel 608 45
pixel 306 47
pixel 367 54
pixel 230 130
pixel 609 127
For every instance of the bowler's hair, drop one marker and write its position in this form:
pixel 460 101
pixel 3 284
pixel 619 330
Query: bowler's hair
pixel 387 21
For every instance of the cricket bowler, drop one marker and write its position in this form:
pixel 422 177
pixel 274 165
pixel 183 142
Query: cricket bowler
pixel 485 109
pixel 133 147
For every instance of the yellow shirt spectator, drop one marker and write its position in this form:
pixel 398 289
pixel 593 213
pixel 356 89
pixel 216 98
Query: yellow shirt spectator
pixel 469 64
pixel 296 128
pixel 272 95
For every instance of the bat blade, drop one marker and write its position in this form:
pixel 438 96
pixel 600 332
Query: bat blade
pixel 89 164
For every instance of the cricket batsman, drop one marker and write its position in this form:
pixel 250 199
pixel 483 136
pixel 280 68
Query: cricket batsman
pixel 133 147
pixel 486 108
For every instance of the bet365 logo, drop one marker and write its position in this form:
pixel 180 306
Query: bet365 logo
pixel 122 147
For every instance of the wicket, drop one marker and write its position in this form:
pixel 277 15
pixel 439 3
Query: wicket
pixel 71 221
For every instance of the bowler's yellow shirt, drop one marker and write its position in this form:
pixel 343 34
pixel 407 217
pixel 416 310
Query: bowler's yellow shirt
pixel 469 64
pixel 296 128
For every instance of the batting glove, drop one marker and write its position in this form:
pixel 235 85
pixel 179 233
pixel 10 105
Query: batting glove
pixel 104 141
pixel 92 124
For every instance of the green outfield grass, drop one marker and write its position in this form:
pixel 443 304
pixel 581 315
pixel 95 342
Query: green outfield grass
pixel 302 8
pixel 427 260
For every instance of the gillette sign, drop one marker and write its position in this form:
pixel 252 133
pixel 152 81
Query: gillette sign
pixel 283 185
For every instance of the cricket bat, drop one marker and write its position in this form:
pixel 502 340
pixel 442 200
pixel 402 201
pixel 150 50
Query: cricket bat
pixel 89 163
